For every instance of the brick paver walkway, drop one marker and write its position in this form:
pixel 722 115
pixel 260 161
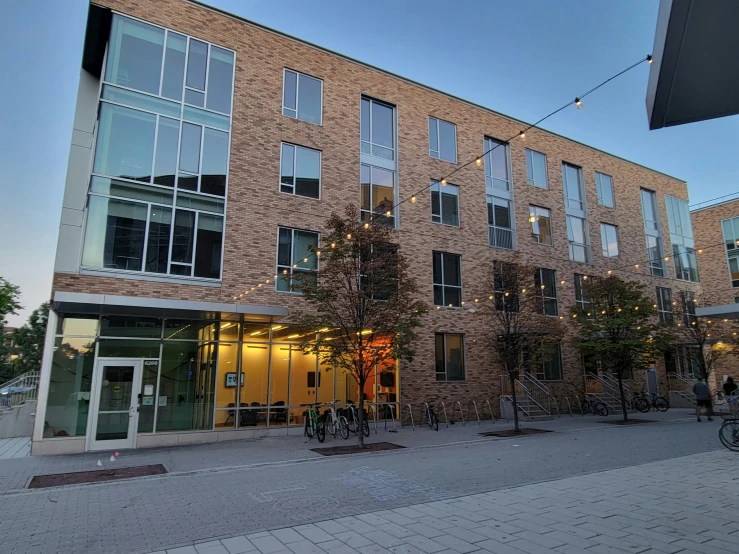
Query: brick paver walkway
pixel 686 505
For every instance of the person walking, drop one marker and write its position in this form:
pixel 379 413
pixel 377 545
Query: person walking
pixel 702 399
pixel 730 393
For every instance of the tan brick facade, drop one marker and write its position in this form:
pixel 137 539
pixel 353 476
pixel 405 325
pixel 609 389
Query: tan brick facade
pixel 256 207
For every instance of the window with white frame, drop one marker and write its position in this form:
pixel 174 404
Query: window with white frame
pixel 577 234
pixel 536 169
pixel 442 140
pixel 377 189
pixel 449 354
pixel 160 169
pixel 664 304
pixel 540 222
pixel 496 165
pixel 500 223
pixel 445 203
pixel 447 277
pixel 572 179
pixel 546 286
pixel 730 229
pixel 377 129
pixel 604 186
pixel 650 214
pixel 294 257
pixel 681 237
pixel 300 171
pixel 582 301
pixel 609 240
pixel 302 97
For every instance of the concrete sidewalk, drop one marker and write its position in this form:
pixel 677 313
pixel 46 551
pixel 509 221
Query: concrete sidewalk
pixel 684 505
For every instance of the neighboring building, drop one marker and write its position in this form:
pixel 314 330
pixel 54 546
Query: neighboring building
pixel 207 152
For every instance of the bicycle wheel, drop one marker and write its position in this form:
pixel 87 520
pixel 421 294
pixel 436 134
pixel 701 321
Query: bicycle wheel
pixel 600 409
pixel 435 422
pixel 642 405
pixel 308 427
pixel 343 428
pixel 661 404
pixel 585 407
pixel 352 423
pixel 728 434
pixel 365 428
pixel 330 424
pixel 321 430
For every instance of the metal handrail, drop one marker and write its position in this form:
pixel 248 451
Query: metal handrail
pixel 490 408
pixel 543 389
pixel 457 403
pixel 479 422
pixel 526 393
pixel 533 398
pixel 443 408
pixel 607 387
pixel 21 388
pixel 614 384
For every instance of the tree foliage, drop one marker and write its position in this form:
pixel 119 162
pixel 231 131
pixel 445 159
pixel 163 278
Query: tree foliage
pixel 619 327
pixel 9 304
pixel 28 341
pixel 519 332
pixel 362 301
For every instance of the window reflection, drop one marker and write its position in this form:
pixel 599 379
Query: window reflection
pixel 135 55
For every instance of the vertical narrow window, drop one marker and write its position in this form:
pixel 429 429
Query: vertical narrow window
pixel 183 242
pixel 190 156
pixel 496 165
pixel 655 253
pixel 536 169
pixel 500 221
pixel 174 66
pixel 731 240
pixel 577 234
pixel 378 129
pixel 545 281
pixel 681 237
pixel 445 204
pixel 449 357
pixel 580 299
pixel 300 172
pixel 609 240
pixel 604 186
pixel 377 195
pixel 302 97
pixel 540 223
pixel 664 304
pixel 649 209
pixel 689 316
pixel 135 55
pixel 157 248
pixel 208 246
pixel 125 143
pixel 197 61
pixel 294 257
pixel 442 140
pixel 220 80
pixel 572 178
pixel 447 276
pixel 165 163
pixel 215 162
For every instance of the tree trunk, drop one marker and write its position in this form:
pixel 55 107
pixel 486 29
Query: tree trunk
pixel 512 380
pixel 623 397
pixel 360 417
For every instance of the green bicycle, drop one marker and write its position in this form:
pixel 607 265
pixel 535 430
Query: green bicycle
pixel 315 425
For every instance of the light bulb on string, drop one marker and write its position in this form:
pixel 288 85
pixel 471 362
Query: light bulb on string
pixel 366 226
pixel 333 245
pixel 305 260
pixel 562 282
pixel 609 272
pixel 649 59
pixel 522 136
pixel 561 317
pixel 478 161
pixel 318 253
pixel 462 302
pixel 443 182
pixel 349 235
pixel 490 297
pixel 259 285
pixel 388 213
pixel 578 103
pixel 413 199
pixel 584 277
pixel 700 251
pixel 636 266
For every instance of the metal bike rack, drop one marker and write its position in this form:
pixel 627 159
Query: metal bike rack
pixel 461 414
pixel 477 414
pixel 569 406
pixel 410 413
pixel 490 409
pixel 443 409
pixel 392 415
pixel 374 413
pixel 426 405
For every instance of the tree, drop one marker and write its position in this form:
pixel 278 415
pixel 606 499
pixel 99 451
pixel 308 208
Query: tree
pixel 618 326
pixel 520 332
pixel 28 341
pixel 362 299
pixel 704 340
pixel 9 304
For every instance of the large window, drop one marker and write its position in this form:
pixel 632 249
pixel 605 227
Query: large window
pixel 300 171
pixel 294 256
pixel 160 170
pixel 500 223
pixel 546 286
pixel 654 253
pixel 445 204
pixel 551 363
pixel 540 222
pixel 442 140
pixel 377 133
pixel 536 169
pixel 681 237
pixel 447 279
pixel 577 234
pixel 572 179
pixel 604 186
pixel 649 209
pixel 650 214
pixel 731 240
pixel 609 240
pixel 664 304
pixel 377 186
pixel 302 97
pixel 496 165
pixel 449 357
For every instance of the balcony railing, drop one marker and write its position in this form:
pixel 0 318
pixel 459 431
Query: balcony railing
pixel 580 253
pixel 500 237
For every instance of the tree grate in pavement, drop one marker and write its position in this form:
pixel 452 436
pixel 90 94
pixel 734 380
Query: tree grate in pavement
pixel 628 422
pixel 513 433
pixel 356 449
pixel 80 477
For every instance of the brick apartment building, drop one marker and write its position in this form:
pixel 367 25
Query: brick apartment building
pixel 207 152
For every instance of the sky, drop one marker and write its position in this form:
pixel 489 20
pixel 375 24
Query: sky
pixel 523 58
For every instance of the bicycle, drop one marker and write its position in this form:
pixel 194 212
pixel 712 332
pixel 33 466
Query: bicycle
pixel 333 421
pixel 593 406
pixel 314 424
pixel 728 433
pixel 353 423
pixel 659 403
pixel 431 417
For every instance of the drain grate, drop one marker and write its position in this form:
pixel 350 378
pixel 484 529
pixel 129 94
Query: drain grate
pixel 99 476
pixel 370 447
pixel 512 433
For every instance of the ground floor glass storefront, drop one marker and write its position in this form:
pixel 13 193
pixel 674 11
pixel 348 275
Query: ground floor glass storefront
pixel 196 375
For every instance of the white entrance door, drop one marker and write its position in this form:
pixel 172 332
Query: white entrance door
pixel 116 404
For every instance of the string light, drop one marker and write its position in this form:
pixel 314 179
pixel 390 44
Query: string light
pixel 561 317
pixel 259 285
pixel 584 277
pixel 618 310
pixel 636 266
pixel 603 312
pixel 478 161
pixel 700 251
pixel 443 182
pixel 562 282
pixel 523 290
pixel 649 59
pixel 609 272
pixel 574 316
pixel 636 307
pixel 366 226
pixel 388 213
pixel 318 253
pixel 491 296
pixel 349 236
pixel 477 299
pixel 667 258
pixel 413 199
pixel 578 103
pixel 333 245
pixel 522 135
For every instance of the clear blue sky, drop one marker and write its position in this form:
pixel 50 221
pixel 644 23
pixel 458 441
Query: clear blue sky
pixel 520 57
